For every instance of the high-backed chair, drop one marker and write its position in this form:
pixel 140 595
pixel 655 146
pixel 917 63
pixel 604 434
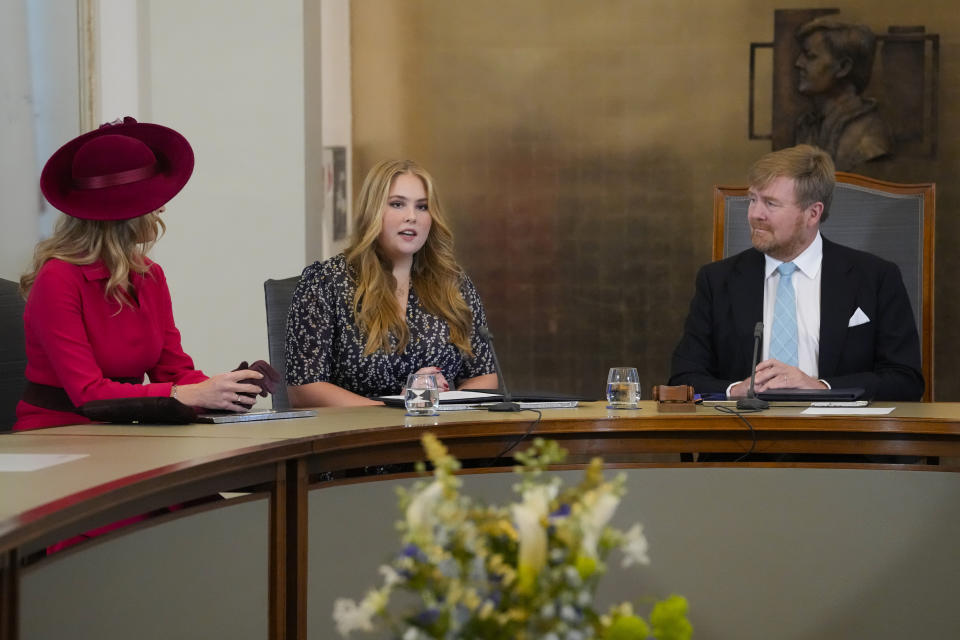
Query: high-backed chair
pixel 893 221
pixel 13 359
pixel 278 294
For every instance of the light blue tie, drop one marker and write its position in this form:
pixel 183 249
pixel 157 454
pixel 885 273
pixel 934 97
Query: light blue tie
pixel 783 340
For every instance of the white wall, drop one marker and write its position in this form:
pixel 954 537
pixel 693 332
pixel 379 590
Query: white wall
pixel 336 97
pixel 39 111
pixel 228 74
pixel 118 58
pixel 17 155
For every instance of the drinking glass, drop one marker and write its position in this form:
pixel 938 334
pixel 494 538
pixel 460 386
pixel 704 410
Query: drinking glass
pixel 623 388
pixel 421 396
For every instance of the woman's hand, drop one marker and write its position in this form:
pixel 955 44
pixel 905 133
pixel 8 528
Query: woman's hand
pixel 442 383
pixel 223 391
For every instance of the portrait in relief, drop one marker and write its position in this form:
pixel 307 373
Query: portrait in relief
pixel 833 71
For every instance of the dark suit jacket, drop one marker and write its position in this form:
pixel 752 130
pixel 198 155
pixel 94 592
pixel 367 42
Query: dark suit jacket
pixel 881 356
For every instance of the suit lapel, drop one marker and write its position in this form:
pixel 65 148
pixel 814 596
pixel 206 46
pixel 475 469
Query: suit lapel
pixel 838 300
pixel 746 296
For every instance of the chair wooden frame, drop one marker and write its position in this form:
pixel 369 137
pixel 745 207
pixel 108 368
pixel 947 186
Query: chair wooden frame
pixel 926 190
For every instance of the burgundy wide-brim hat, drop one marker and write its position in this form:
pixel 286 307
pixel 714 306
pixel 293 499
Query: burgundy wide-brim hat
pixel 120 171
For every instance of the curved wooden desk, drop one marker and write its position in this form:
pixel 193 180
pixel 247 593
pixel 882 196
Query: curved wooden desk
pixel 130 470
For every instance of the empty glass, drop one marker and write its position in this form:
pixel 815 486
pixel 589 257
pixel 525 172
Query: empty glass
pixel 421 396
pixel 623 388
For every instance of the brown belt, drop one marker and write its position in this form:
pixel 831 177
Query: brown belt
pixel 56 398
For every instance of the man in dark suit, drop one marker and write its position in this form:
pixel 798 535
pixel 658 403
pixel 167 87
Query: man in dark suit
pixel 853 325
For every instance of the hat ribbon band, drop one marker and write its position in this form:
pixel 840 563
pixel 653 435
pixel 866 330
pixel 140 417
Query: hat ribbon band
pixel 116 179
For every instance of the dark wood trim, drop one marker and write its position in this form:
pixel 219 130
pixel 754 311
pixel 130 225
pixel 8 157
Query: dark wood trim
pixel 648 433
pixel 9 595
pixel 278 554
pixel 720 195
pixel 252 468
pixel 288 552
pixel 296 549
pixel 284 467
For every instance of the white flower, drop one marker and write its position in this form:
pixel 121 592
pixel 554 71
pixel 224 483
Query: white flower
pixel 413 633
pixel 350 617
pixel 532 551
pixel 635 547
pixel 421 512
pixel 390 576
pixel 529 517
pixel 595 517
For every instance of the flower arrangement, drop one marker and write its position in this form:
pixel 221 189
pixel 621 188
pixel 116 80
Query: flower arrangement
pixel 527 571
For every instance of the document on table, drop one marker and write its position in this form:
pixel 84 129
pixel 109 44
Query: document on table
pixel 848 411
pixel 16 462
pixel 466 400
pixel 451 396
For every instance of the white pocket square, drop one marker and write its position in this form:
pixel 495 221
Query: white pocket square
pixel 858 318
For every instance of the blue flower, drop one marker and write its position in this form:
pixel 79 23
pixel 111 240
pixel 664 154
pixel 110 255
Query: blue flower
pixel 413 551
pixel 427 617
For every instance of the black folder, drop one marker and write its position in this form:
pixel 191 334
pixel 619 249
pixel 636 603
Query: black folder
pixel 811 395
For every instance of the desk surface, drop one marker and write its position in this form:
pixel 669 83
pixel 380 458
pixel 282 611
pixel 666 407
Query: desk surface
pixel 913 417
pixel 119 461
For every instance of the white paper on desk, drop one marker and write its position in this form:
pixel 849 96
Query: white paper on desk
pixel 452 396
pixel 848 411
pixel 14 462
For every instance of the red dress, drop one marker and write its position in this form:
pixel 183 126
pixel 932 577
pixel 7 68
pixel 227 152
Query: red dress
pixel 78 339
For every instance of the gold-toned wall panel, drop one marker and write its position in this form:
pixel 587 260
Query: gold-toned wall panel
pixel 576 144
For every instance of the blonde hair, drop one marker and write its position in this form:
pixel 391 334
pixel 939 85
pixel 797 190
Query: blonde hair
pixel 121 244
pixel 810 167
pixel 435 273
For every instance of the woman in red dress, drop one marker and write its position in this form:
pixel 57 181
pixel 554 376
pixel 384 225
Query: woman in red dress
pixel 98 316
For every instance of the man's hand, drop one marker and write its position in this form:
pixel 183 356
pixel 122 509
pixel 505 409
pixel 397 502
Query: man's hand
pixel 773 374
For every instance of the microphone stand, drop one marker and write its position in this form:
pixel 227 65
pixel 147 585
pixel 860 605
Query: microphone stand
pixel 752 402
pixel 506 404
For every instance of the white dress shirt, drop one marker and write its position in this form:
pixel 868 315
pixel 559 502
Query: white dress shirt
pixel 806 285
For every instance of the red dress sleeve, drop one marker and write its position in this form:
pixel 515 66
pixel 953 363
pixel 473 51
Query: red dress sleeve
pixel 78 339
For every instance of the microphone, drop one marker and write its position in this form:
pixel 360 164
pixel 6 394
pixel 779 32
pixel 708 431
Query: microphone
pixel 752 401
pixel 506 405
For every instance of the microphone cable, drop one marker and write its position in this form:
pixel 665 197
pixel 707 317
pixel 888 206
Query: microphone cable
pixel 739 413
pixel 521 438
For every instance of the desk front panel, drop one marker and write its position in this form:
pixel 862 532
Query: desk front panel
pixel 759 552
pixel 132 469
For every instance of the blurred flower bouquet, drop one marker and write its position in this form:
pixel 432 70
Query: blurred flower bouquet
pixel 527 571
